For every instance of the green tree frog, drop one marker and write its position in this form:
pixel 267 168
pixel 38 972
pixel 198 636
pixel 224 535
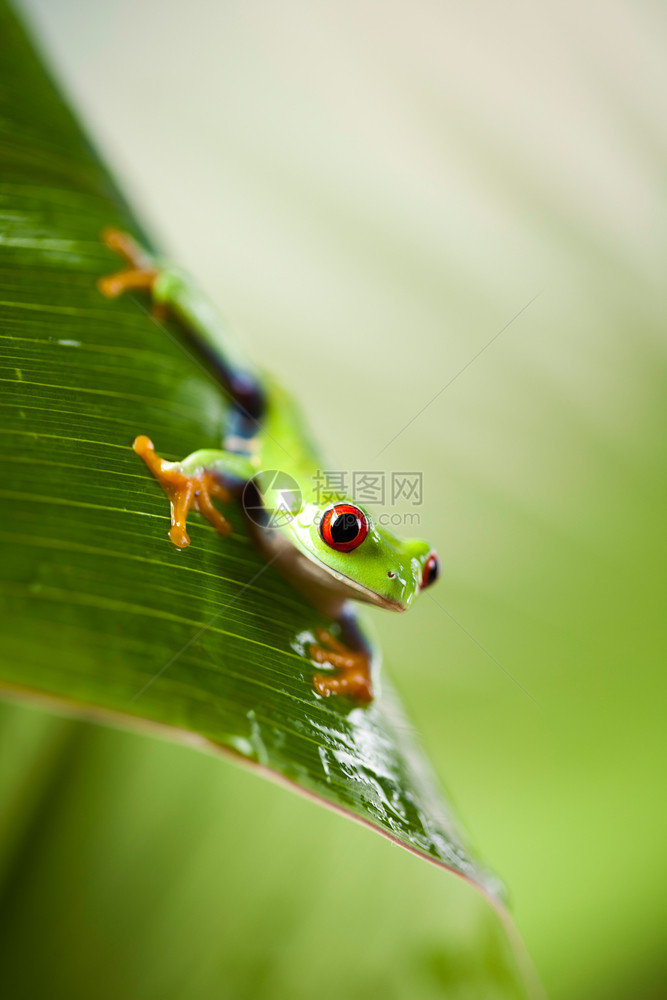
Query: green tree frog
pixel 333 553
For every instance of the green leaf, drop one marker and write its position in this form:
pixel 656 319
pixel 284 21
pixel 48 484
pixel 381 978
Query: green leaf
pixel 101 612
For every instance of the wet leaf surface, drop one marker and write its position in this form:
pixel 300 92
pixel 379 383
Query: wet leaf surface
pixel 100 611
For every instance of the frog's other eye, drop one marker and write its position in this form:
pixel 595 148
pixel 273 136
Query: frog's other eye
pixel 343 527
pixel 431 570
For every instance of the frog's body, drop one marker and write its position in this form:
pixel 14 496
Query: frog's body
pixel 333 552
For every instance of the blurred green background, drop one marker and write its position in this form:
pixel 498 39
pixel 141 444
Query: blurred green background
pixel 373 191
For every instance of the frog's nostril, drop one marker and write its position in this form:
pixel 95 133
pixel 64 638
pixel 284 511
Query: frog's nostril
pixel 391 574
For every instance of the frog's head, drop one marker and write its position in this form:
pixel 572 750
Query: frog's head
pixel 361 558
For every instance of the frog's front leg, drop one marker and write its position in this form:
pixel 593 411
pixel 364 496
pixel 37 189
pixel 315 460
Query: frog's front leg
pixel 193 483
pixel 353 659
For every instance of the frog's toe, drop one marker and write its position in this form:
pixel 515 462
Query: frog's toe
pixel 141 279
pixel 353 677
pixel 354 684
pixel 179 536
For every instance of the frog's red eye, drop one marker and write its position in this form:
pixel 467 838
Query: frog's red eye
pixel 431 570
pixel 343 527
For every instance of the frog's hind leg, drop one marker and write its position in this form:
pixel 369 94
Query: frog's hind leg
pixel 352 658
pixel 175 294
pixel 185 492
pixel 141 273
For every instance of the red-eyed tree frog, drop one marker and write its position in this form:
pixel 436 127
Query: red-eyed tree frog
pixel 332 553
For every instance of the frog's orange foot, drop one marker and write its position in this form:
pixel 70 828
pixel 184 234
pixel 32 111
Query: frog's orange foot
pixel 354 677
pixel 185 492
pixel 141 273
